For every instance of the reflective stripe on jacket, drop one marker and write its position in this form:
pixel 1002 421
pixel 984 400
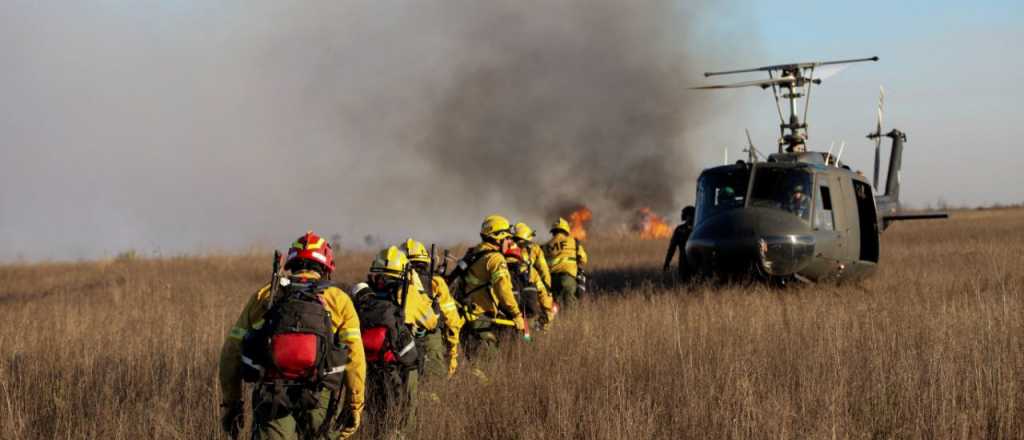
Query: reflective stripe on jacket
pixel 562 252
pixel 496 299
pixel 343 317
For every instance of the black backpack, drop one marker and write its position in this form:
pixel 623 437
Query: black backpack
pixel 526 293
pixel 386 338
pixel 458 275
pixel 295 345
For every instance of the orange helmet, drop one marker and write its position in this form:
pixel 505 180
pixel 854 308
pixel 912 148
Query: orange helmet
pixel 312 248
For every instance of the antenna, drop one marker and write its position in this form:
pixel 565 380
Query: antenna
pixel 792 78
pixel 842 147
pixel 752 153
pixel 725 159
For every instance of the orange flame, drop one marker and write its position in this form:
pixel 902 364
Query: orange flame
pixel 578 220
pixel 652 226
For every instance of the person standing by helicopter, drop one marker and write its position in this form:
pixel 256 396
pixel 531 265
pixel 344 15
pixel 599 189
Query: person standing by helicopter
pixel 679 238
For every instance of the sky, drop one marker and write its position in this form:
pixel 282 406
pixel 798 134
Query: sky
pixel 189 127
pixel 951 73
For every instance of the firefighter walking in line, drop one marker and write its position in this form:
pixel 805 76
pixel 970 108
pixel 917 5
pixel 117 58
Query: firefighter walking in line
pixel 485 290
pixel 524 289
pixel 678 242
pixel 540 276
pixel 396 316
pixel 566 258
pixel 444 306
pixel 289 401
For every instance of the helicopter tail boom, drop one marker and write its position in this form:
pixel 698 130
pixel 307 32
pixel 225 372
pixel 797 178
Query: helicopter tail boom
pixel 889 203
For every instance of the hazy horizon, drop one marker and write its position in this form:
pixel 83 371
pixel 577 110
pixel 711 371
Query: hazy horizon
pixel 188 127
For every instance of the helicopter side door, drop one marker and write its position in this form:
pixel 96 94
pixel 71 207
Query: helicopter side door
pixel 830 225
pixel 847 225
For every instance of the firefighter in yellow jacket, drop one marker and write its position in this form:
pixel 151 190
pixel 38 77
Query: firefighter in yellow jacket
pixel 486 290
pixel 306 412
pixel 566 257
pixel 539 274
pixel 442 304
pixel 390 273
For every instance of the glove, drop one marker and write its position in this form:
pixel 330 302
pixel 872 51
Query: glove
pixel 232 419
pixel 453 364
pixel 351 424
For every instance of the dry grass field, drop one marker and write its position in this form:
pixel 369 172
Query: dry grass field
pixel 931 347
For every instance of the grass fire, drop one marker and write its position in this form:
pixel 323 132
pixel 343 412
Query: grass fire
pixel 931 347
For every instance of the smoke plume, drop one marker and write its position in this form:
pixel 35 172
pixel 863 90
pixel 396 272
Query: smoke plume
pixel 580 102
pixel 193 127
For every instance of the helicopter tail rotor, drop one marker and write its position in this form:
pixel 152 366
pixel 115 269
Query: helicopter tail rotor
pixel 877 135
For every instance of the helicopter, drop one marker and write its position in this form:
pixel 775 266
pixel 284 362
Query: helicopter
pixel 795 215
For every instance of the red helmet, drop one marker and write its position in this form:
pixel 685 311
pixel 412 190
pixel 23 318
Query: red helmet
pixel 313 248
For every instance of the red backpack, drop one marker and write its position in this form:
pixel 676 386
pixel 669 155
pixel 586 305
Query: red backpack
pixel 386 338
pixel 296 343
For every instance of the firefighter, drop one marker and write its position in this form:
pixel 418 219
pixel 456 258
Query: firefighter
pixel 566 258
pixel 444 306
pixel 393 378
pixel 678 242
pixel 524 289
pixel 540 276
pixel 485 290
pixel 281 409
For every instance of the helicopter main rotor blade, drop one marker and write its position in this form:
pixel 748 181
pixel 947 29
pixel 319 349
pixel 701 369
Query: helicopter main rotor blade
pixel 764 84
pixel 791 66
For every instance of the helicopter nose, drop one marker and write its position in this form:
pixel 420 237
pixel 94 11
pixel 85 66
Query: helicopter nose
pixel 781 255
pixel 770 241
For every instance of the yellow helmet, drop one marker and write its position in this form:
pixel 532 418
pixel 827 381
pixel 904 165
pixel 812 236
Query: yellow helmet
pixel 560 225
pixel 416 251
pixel 522 231
pixel 389 262
pixel 495 227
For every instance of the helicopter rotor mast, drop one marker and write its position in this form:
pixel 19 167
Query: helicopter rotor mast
pixel 792 78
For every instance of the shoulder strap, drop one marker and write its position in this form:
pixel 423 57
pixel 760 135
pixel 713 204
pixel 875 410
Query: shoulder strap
pixel 462 268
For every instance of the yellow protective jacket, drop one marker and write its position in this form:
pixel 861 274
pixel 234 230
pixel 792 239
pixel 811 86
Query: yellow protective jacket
pixel 453 321
pixel 419 310
pixel 540 276
pixel 489 286
pixel 533 277
pixel 539 262
pixel 564 254
pixel 343 316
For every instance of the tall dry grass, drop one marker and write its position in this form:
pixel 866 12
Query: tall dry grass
pixel 932 346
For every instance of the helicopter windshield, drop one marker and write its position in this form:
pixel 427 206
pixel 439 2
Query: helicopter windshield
pixel 783 188
pixel 721 191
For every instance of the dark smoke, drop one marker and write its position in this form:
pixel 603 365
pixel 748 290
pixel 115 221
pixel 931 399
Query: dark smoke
pixel 569 102
pixel 216 126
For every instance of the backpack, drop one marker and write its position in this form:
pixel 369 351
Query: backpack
pixel 295 345
pixel 526 293
pixel 461 295
pixel 386 338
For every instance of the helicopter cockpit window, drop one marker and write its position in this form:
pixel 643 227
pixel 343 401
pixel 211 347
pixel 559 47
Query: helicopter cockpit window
pixel 824 218
pixel 721 191
pixel 783 188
